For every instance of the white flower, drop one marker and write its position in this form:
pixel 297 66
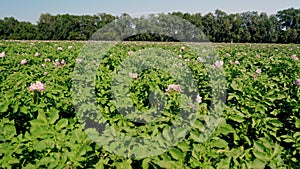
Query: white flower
pixel 47 60
pixel 199 99
pixel 182 48
pixel 258 71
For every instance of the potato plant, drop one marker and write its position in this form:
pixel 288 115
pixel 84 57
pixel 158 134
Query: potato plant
pixel 259 126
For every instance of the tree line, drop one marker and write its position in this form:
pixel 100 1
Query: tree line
pixel 250 27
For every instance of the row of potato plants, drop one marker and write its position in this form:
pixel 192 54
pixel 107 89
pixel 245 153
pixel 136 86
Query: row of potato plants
pixel 259 126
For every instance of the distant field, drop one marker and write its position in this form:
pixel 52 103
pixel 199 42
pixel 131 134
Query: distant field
pixel 251 90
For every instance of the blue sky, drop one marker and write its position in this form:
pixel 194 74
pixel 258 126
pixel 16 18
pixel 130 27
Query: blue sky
pixel 30 10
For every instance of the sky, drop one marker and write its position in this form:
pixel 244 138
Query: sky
pixel 30 10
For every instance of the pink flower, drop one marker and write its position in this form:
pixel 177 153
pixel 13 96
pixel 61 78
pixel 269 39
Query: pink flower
pixel 294 57
pixel 45 73
pixel 133 75
pixel 31 87
pixel 43 65
pixel 187 60
pixel 204 51
pixel 227 54
pixel 69 47
pixel 130 52
pixel 39 86
pixel 174 87
pixel 201 59
pixel 219 64
pixel 59 48
pixel 297 82
pixel 37 54
pixel 192 106
pixel 257 56
pixel 63 62
pixel 23 62
pixel 56 64
pixel 78 60
pixel 236 62
pixel 258 71
pixel 2 54
pixel 59 64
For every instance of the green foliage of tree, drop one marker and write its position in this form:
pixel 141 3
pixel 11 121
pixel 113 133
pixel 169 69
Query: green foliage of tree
pixel 250 27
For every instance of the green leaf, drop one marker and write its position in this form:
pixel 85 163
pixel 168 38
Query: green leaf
pixel 180 133
pixel 61 124
pixel 41 116
pixel 40 146
pixel 9 130
pixel 145 163
pixel 260 155
pixel 166 134
pixel 176 154
pixel 219 143
pixel 12 160
pixel 275 122
pixel 45 161
pixel 4 107
pixel 37 122
pixel 237 116
pixel 259 147
pixel 123 164
pixel 288 140
pixel 297 123
pixel 53 117
pixel 199 126
pixel 92 133
pixel 236 86
pixel 225 129
pixel 256 164
pixel 167 164
pixel 183 145
pixel 224 163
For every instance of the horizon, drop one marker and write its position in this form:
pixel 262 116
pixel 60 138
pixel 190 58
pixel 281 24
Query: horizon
pixel 22 10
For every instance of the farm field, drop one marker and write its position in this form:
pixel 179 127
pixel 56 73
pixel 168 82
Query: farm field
pixel 251 90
